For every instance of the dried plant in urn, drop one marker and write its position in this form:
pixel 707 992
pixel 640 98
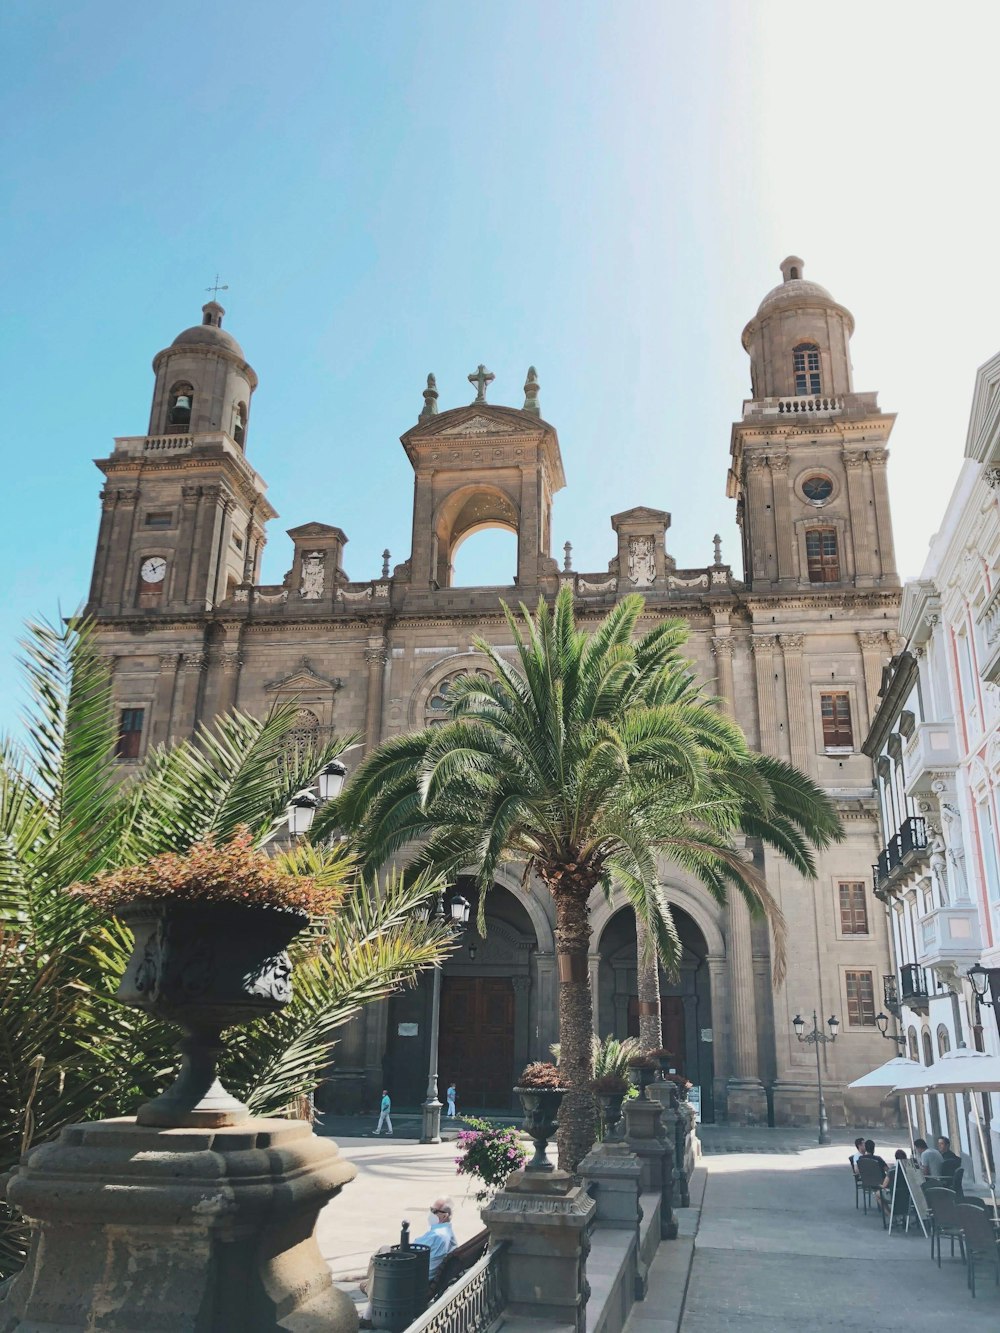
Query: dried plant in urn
pixel 541 1088
pixel 211 928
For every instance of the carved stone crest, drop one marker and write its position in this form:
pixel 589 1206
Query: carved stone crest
pixel 641 561
pixel 313 576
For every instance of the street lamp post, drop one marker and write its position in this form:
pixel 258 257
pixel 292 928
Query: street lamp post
pixel 882 1023
pixel 430 1132
pixel 818 1038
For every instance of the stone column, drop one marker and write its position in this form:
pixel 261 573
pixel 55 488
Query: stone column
pixel 190 678
pixel 163 699
pixel 546 1222
pixel 136 1228
pixel 800 741
pixel 861 530
pixel 886 564
pixel 874 651
pixel 764 646
pixel 760 517
pixel 122 532
pixel 376 655
pixel 745 1099
pixel 528 530
pixel 784 533
pixel 109 501
pixel 722 650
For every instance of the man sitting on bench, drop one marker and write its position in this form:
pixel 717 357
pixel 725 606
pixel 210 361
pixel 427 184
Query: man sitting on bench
pixel 439 1236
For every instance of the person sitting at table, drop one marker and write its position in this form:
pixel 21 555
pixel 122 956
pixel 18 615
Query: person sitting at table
pixel 952 1161
pixel 859 1147
pixel 931 1161
pixel 884 1196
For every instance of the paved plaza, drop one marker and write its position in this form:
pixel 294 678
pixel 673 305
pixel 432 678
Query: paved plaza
pixel 777 1244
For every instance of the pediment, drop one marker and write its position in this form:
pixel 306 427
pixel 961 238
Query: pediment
pixel 304 677
pixel 481 425
pixel 984 418
pixel 477 420
pixel 316 531
pixel 641 514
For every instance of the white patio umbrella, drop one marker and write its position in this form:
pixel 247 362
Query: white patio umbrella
pixel 960 1070
pixel 887 1077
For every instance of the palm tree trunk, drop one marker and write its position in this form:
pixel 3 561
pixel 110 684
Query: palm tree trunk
pixel 650 1016
pixel 577 1118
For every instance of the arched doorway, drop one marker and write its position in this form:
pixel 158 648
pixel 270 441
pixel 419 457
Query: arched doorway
pixel 488 1012
pixel 685 1003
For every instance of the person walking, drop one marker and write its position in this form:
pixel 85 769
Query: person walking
pixel 384 1118
pixel 451 1095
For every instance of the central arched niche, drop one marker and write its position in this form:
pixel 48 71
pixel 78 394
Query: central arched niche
pixel 685 1002
pixel 467 511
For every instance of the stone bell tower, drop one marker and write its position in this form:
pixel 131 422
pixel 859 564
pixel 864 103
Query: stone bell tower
pixel 479 467
pixel 808 468
pixel 183 512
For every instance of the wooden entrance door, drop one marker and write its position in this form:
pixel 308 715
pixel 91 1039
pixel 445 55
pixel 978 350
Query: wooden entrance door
pixel 671 1026
pixel 476 1047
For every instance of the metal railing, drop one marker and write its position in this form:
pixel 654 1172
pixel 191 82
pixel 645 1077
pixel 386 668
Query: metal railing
pixel 912 835
pixel 910 839
pixel 890 993
pixel 473 1304
pixel 913 985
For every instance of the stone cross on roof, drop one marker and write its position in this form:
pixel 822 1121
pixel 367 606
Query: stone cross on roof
pixel 480 379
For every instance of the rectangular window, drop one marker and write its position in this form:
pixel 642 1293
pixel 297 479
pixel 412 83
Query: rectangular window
pixel 130 733
pixel 853 908
pixel 987 837
pixel 838 733
pixel 161 518
pixel 860 999
pixel 822 555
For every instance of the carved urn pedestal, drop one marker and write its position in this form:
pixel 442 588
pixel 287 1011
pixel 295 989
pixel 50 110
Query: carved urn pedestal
pixel 192 1217
pixel 138 1230
pixel 546 1221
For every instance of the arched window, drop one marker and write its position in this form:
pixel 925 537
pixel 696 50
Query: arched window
pixel 822 555
pixel 805 359
pixel 436 709
pixel 793 272
pixel 179 411
pixel 301 737
pixel 240 424
pixel 928 1049
pixel 911 1036
pixel 943 1040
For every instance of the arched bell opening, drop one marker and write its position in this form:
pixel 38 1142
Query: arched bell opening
pixel 685 1001
pixel 465 512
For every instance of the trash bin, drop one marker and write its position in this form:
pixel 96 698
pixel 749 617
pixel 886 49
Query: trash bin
pixel 400 1284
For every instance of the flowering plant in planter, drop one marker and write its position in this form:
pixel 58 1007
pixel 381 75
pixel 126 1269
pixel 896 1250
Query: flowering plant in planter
pixel 488 1153
pixel 541 1077
pixel 235 874
pixel 611 1085
pixel 661 1054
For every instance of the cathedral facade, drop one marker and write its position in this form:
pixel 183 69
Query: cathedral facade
pixel 794 643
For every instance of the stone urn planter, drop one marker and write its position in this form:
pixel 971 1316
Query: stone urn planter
pixel 541 1112
pixel 205 966
pixel 611 1114
pixel 645 1071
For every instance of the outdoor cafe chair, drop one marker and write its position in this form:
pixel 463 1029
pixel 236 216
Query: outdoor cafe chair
pixel 870 1175
pixel 981 1244
pixel 944 1220
pixel 857 1181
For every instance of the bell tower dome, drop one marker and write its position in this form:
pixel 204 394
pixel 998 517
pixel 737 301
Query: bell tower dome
pixel 799 340
pixel 203 382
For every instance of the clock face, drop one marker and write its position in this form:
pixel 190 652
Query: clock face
pixel 153 569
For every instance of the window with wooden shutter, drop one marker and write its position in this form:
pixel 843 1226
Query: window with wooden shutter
pixel 822 555
pixel 805 359
pixel 130 733
pixel 853 908
pixel 860 999
pixel 838 733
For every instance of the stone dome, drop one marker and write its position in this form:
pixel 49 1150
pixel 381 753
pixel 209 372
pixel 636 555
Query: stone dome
pixel 210 333
pixel 796 291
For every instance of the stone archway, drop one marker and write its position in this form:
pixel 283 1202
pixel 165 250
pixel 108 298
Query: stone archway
pixel 466 511
pixel 686 1002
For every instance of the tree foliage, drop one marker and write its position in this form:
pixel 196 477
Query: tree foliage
pixel 68 1050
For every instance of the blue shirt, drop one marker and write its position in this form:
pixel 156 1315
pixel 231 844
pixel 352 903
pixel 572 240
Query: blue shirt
pixel 386 1103
pixel 442 1241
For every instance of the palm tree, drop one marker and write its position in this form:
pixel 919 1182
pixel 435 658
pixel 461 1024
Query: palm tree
pixel 583 762
pixel 68 1051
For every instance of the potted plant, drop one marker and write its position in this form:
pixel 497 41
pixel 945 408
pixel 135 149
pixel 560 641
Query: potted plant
pixel 210 933
pixel 662 1058
pixel 488 1153
pixel 541 1089
pixel 681 1084
pixel 643 1069
pixel 611 1090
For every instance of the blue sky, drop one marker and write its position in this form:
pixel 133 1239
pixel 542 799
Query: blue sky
pixel 604 191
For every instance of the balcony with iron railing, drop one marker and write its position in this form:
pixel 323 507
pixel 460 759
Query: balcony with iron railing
pixel 913 990
pixel 890 993
pixel 905 851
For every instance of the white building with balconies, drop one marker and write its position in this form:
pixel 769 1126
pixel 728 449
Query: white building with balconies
pixel 935 743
